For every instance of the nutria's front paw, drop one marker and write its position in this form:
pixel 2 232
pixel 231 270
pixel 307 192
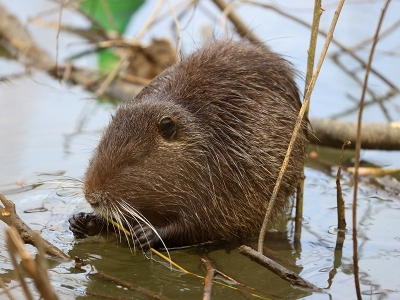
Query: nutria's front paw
pixel 145 237
pixel 85 224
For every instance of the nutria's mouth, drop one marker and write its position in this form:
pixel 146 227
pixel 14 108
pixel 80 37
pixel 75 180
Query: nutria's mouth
pixel 94 205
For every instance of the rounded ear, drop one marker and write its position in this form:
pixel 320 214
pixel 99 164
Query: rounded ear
pixel 167 128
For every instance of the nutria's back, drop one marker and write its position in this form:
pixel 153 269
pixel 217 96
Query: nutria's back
pixel 196 154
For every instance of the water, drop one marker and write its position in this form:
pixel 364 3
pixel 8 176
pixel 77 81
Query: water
pixel 48 131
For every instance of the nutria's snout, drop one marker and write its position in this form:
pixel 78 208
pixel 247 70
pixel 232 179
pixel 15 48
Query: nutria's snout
pixel 195 156
pixel 92 189
pixel 93 199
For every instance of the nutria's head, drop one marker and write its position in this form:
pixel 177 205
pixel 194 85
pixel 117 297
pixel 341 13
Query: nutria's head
pixel 141 161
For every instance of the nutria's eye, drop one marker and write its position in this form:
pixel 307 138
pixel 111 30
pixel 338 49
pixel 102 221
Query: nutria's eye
pixel 167 128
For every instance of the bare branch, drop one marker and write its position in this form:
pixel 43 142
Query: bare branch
pixel 358 148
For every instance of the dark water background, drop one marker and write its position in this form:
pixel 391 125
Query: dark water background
pixel 48 131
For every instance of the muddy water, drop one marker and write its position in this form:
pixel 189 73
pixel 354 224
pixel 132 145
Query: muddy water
pixel 47 133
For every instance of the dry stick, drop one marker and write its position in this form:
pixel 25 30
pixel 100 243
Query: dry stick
pixel 339 194
pixel 228 9
pixel 298 125
pixel 135 79
pixel 240 27
pixel 17 268
pixel 218 282
pixel 167 14
pixel 281 258
pixel 149 21
pixel 310 67
pixel 380 99
pixel 9 216
pixel 340 45
pixel 358 147
pixel 340 237
pixel 313 44
pixel 6 290
pixel 43 282
pixel 281 271
pixel 111 76
pixel 184 12
pixel 375 99
pixel 208 281
pixel 178 27
pixel 368 40
pixel 373 136
pixel 109 16
pixel 18 40
pixel 122 59
pixel 58 33
pixel 38 274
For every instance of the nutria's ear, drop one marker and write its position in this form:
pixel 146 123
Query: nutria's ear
pixel 167 128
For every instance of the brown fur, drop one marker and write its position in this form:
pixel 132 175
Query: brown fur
pixel 234 106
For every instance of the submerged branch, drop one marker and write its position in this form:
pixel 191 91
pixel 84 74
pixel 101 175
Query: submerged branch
pixel 9 216
pixel 208 281
pixel 276 268
pixel 339 194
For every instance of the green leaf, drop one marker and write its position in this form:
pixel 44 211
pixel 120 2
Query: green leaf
pixel 113 15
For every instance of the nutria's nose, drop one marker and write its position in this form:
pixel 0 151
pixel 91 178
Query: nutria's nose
pixel 94 197
pixel 92 188
pixel 96 177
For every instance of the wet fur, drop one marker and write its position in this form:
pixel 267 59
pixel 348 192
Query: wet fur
pixel 234 106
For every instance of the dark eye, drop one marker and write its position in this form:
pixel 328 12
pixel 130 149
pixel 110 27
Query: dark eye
pixel 167 128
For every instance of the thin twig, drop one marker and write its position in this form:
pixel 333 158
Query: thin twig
pixel 6 290
pixel 337 43
pixel 58 32
pixel 298 125
pixel 111 76
pixel 35 270
pixel 178 27
pixel 217 282
pixel 339 194
pixel 368 40
pixel 375 99
pixel 12 250
pixel 310 67
pixel 109 16
pixel 149 21
pixel 240 27
pixel 358 147
pixel 208 281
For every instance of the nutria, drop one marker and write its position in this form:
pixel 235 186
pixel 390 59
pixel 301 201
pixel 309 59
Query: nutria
pixel 195 156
